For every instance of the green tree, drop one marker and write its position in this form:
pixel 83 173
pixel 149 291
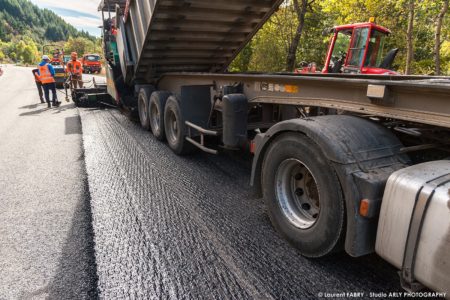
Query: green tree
pixel 300 9
pixel 445 58
pixel 30 54
pixel 437 36
pixel 411 7
pixel 80 45
pixel 54 33
pixel 270 49
pixel 13 55
pixel 242 61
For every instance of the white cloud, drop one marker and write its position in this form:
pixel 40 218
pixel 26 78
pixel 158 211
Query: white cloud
pixel 81 22
pixel 74 12
pixel 88 6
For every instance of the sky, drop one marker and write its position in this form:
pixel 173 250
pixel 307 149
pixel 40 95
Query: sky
pixel 81 14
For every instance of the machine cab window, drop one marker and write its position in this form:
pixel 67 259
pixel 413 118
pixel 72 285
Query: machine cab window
pixel 92 57
pixel 375 49
pixel 340 51
pixel 359 48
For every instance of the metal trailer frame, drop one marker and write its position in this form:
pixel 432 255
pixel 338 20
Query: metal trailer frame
pixel 425 101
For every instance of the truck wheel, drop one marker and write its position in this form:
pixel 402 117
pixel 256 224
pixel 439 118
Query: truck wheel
pixel 303 195
pixel 143 98
pixel 156 113
pixel 175 128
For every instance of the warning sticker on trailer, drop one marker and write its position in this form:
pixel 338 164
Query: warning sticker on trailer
pixel 276 87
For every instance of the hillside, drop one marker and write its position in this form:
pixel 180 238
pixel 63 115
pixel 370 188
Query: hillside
pixel 21 17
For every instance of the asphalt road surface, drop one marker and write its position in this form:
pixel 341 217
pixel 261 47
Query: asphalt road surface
pixel 46 243
pixel 143 223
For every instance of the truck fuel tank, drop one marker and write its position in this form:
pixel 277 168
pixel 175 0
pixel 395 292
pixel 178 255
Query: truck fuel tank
pixel 235 111
pixel 414 225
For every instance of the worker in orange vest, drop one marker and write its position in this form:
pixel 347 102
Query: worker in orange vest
pixel 46 75
pixel 38 84
pixel 75 69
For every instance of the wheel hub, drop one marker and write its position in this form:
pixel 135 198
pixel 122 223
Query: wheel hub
pixel 173 127
pixel 154 112
pixel 142 109
pixel 297 193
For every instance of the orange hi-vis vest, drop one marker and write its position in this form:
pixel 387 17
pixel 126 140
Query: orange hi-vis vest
pixel 44 74
pixel 75 67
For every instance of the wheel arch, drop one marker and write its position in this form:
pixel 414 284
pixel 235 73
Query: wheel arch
pixel 362 153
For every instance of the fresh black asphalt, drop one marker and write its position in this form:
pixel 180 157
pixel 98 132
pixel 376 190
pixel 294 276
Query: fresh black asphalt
pixel 192 228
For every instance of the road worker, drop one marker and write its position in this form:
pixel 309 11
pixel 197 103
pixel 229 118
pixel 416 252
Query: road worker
pixel 38 84
pixel 75 69
pixel 46 74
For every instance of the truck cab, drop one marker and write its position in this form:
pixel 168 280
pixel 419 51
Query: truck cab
pixel 91 63
pixel 359 49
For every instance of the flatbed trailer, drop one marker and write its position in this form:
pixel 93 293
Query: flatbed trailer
pixel 334 154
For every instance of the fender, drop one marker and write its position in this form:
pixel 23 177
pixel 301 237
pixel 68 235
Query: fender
pixel 363 154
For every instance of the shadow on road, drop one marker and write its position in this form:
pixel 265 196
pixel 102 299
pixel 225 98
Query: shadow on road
pixel 76 274
pixel 60 109
pixel 55 110
pixel 31 106
pixel 34 112
pixel 76 277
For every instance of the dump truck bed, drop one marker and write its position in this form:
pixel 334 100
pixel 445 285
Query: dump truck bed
pixel 160 36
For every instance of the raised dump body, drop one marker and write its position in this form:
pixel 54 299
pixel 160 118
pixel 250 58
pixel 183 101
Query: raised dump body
pixel 160 36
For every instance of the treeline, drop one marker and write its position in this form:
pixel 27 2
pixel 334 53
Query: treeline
pixel 25 28
pixel 24 50
pixel 420 29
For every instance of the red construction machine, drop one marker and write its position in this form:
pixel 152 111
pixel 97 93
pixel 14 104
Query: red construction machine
pixel 356 49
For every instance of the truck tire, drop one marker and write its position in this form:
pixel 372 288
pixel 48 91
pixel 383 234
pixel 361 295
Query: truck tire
pixel 175 128
pixel 143 100
pixel 156 113
pixel 303 195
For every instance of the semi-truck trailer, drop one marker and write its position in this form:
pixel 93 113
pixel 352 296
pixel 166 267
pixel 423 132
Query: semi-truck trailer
pixel 343 161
